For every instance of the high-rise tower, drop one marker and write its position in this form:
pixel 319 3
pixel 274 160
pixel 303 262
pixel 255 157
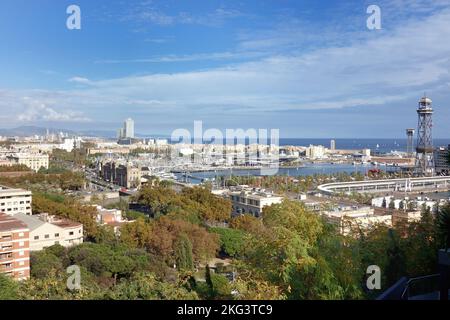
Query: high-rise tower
pixel 409 141
pixel 129 128
pixel 332 145
pixel 424 148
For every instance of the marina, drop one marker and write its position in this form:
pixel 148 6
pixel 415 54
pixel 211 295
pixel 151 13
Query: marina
pixel 306 170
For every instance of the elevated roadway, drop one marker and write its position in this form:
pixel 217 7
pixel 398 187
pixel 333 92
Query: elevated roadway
pixel 386 185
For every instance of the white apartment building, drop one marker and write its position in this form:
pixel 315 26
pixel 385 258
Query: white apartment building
pixel 315 152
pixel 15 201
pixel 356 220
pixel 34 161
pixel 69 144
pixel 46 231
pixel 252 201
pixel 110 217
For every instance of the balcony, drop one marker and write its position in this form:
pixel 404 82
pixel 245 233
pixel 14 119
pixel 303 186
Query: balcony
pixel 8 267
pixel 6 239
pixel 6 248
pixel 6 257
pixel 422 288
pixel 429 287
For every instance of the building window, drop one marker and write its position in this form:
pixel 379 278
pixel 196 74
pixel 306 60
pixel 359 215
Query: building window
pixel 36 237
pixel 21 234
pixel 21 244
pixel 21 253
pixel 56 235
pixel 71 233
pixel 21 263
pixel 47 236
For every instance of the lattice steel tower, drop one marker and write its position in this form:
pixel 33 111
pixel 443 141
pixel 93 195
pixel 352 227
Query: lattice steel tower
pixel 424 147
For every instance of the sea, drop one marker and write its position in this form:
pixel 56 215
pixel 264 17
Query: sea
pixel 381 146
pixel 376 145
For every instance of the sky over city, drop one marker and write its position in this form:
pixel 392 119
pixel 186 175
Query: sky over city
pixel 309 68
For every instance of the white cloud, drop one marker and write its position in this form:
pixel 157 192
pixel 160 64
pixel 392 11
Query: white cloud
pixel 80 80
pixel 38 111
pixel 237 55
pixel 149 12
pixel 375 68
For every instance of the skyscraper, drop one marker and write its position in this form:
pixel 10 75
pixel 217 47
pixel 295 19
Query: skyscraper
pixel 120 133
pixel 129 128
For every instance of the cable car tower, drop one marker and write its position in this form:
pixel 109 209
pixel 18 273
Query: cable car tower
pixel 409 142
pixel 424 148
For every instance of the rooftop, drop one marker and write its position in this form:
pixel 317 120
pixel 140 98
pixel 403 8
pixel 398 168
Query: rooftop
pixel 9 223
pixel 5 189
pixel 35 221
pixel 253 193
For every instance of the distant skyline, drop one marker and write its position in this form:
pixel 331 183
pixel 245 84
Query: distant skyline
pixel 309 68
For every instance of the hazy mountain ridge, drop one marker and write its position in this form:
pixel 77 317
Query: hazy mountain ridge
pixel 24 131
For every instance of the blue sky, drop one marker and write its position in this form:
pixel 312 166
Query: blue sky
pixel 309 68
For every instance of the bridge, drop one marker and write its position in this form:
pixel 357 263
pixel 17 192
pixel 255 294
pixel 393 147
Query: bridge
pixel 399 185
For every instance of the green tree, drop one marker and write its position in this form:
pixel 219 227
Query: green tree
pixel 232 241
pixel 145 286
pixel 8 288
pixel 220 287
pixel 287 253
pixel 396 267
pixel 208 276
pixel 443 226
pixel 183 253
pixel 392 204
pixel 44 262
